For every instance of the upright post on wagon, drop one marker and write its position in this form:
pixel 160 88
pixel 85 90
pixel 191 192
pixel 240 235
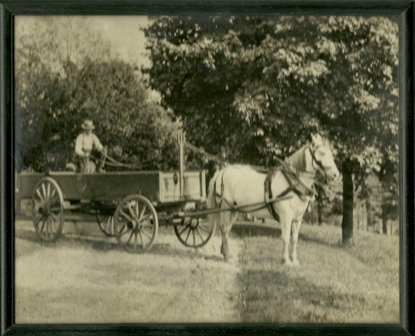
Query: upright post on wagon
pixel 181 138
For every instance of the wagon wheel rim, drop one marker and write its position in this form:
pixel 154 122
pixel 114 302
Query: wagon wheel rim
pixel 136 224
pixel 196 233
pixel 47 209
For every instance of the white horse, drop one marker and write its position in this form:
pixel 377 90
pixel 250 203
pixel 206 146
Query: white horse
pixel 283 194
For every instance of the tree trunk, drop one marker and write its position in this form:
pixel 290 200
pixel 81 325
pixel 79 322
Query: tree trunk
pixel 347 223
pixel 368 214
pixel 384 220
pixel 319 212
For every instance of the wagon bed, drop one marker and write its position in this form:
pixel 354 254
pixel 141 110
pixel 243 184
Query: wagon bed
pixel 158 186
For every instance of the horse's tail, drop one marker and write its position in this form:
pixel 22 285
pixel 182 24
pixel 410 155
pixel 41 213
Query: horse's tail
pixel 211 201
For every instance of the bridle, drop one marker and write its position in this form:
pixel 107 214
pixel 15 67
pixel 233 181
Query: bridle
pixel 320 167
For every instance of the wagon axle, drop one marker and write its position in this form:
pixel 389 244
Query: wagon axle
pixel 44 211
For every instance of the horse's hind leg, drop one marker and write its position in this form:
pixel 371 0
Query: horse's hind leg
pixel 294 239
pixel 227 220
pixel 286 222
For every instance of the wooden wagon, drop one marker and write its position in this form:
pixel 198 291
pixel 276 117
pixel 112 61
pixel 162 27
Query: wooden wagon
pixel 127 205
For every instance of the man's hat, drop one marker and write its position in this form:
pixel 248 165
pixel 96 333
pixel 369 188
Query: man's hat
pixel 88 125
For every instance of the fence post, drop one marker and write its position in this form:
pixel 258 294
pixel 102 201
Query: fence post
pixel 181 138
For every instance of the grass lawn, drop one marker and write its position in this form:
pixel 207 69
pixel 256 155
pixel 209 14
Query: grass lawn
pixel 335 284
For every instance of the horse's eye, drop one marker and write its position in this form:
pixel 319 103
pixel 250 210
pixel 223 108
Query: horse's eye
pixel 322 153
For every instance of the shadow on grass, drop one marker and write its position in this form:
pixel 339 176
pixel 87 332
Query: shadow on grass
pixel 104 244
pixel 243 230
pixel 316 240
pixel 283 296
pixel 247 229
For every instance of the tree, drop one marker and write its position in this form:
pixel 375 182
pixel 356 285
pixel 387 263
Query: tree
pixel 52 99
pixel 252 87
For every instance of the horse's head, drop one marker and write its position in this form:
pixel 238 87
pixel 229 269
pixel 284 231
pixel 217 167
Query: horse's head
pixel 323 157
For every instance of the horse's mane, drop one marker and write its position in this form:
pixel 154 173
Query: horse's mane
pixel 297 160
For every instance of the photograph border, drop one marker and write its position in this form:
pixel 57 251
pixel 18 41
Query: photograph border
pixel 405 9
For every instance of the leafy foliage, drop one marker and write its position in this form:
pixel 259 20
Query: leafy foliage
pixel 251 88
pixel 53 98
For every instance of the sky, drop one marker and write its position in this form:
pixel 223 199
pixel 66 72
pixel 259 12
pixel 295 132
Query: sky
pixel 124 35
pixel 122 32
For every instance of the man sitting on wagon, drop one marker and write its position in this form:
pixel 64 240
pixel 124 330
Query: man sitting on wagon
pixel 85 143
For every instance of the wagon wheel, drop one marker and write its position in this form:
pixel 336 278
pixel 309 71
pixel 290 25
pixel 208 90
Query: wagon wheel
pixel 106 224
pixel 136 223
pixel 195 233
pixel 105 219
pixel 47 209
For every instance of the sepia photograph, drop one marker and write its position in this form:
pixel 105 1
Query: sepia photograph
pixel 206 169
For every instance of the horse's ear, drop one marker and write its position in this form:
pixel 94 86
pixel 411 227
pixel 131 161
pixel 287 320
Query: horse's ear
pixel 316 138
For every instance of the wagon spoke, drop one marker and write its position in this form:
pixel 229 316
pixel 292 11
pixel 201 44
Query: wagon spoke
pixel 203 228
pixel 51 227
pixel 145 233
pixel 188 234
pixel 126 215
pixel 125 232
pixel 121 233
pixel 147 217
pixel 43 224
pixel 141 238
pixel 197 230
pixel 142 212
pixel 53 194
pixel 131 236
pixel 194 238
pixel 47 226
pixel 47 190
pixel 110 220
pixel 137 209
pixel 185 228
pixel 42 200
pixel 54 216
pixel 131 211
pixel 44 190
pixel 135 240
pixel 37 223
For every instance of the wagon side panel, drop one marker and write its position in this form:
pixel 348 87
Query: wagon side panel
pixel 194 187
pixel 112 186
pixel 27 183
pixel 96 187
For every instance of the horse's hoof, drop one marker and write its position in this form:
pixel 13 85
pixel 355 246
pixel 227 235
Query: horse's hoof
pixel 229 259
pixel 295 263
pixel 287 262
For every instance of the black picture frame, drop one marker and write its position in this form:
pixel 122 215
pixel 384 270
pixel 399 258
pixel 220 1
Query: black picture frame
pixel 403 8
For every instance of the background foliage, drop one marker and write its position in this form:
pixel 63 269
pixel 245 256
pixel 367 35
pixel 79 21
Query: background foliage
pixel 246 88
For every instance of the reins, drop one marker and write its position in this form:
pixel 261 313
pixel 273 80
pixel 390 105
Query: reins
pixel 114 163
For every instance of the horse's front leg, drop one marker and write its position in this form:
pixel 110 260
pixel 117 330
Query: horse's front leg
pixel 286 222
pixel 294 239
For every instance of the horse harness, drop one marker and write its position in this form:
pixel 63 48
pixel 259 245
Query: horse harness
pixel 296 186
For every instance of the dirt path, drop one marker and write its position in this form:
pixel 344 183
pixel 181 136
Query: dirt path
pixel 88 279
